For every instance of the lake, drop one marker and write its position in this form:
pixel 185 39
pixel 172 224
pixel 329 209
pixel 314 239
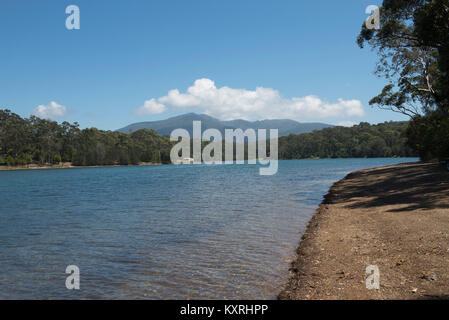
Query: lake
pixel 159 232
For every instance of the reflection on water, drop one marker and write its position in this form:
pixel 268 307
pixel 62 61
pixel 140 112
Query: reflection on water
pixel 159 232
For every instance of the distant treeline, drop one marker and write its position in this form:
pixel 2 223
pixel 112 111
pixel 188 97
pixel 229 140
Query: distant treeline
pixel 40 141
pixel 35 140
pixel 364 140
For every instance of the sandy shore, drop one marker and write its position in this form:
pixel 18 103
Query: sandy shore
pixel 396 218
pixel 68 165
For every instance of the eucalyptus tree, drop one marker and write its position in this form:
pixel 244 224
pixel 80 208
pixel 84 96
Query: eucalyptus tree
pixel 412 43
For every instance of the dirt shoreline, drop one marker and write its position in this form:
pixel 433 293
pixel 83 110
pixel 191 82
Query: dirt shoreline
pixel 394 217
pixel 68 165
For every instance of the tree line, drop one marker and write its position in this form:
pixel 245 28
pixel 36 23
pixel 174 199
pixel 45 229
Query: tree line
pixel 364 140
pixel 40 141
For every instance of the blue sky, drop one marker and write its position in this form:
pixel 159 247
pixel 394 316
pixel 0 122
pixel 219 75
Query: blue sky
pixel 126 57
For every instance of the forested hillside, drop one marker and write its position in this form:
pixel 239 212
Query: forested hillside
pixel 364 140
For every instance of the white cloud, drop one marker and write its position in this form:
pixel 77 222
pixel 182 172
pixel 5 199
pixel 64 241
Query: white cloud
pixel 50 111
pixel 261 103
pixel 151 107
pixel 346 124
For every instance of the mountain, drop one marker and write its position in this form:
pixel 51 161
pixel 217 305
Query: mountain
pixel 165 127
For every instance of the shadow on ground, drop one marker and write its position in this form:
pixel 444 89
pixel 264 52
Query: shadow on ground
pixel 411 188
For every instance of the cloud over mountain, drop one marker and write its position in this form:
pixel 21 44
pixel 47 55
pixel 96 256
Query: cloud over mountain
pixel 261 103
pixel 151 107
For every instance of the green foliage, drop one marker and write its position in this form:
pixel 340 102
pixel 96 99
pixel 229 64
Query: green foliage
pixel 410 67
pixel 37 156
pixel 15 135
pixel 413 48
pixel 429 135
pixel 363 140
pixel 57 158
pixel 431 21
pixel 10 161
pixel 47 142
pixel 24 159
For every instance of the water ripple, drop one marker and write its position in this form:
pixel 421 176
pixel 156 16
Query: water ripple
pixel 159 232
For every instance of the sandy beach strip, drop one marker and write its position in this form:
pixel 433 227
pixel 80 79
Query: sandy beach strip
pixel 68 165
pixel 395 218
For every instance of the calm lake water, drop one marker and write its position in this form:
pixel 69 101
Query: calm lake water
pixel 159 232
